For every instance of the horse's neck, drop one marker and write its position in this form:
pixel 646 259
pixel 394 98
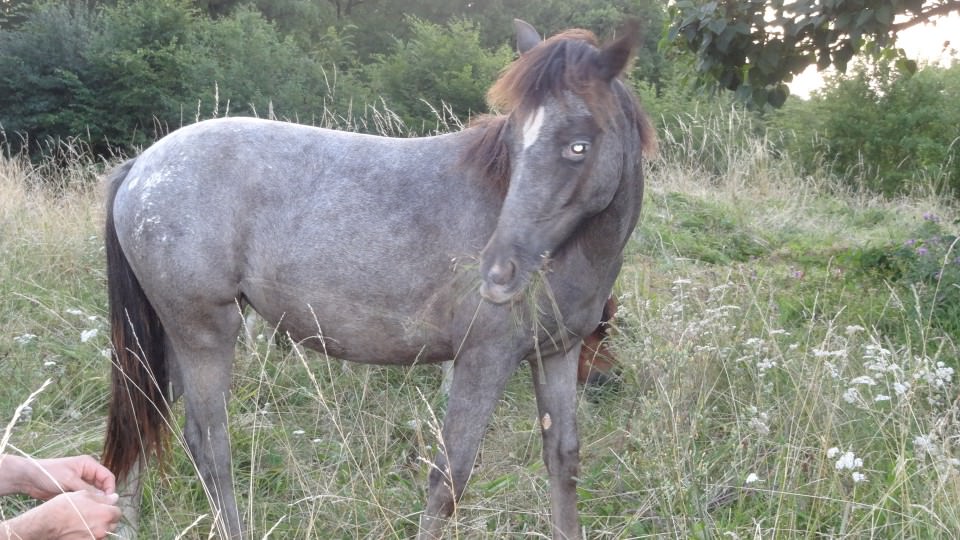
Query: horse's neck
pixel 604 236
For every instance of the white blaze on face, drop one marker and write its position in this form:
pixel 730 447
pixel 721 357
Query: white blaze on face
pixel 531 128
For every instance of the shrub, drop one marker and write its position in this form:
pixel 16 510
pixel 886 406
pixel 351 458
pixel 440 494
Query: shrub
pixel 888 128
pixel 126 74
pixel 43 70
pixel 438 66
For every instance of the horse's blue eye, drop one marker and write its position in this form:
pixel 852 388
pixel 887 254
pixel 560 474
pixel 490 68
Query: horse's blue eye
pixel 576 151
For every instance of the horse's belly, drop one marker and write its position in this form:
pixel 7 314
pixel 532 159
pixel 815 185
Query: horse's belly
pixel 357 330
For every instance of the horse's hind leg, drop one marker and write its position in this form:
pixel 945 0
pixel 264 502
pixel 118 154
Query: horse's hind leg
pixel 555 384
pixel 478 382
pixel 204 358
pixel 130 491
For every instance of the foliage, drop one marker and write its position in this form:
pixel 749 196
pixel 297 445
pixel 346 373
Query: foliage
pixel 890 129
pixel 121 74
pixel 124 75
pixel 437 67
pixel 755 47
pixel 12 12
pixel 43 64
pixel 927 264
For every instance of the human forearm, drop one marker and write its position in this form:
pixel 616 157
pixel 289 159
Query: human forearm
pixel 14 471
pixel 26 526
pixel 79 515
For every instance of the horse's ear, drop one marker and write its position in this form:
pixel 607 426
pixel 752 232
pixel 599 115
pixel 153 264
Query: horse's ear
pixel 615 56
pixel 527 35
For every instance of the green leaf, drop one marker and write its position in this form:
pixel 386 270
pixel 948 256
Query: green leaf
pixel 884 15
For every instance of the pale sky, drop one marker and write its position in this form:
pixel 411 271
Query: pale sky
pixel 923 43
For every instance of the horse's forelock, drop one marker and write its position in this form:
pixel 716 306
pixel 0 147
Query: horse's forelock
pixel 564 62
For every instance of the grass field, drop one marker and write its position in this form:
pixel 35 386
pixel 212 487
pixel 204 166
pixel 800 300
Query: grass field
pixel 788 348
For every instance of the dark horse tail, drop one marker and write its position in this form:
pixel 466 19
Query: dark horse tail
pixel 137 422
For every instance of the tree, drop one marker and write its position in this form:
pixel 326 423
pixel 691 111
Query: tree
pixel 754 47
pixel 345 7
pixel 12 12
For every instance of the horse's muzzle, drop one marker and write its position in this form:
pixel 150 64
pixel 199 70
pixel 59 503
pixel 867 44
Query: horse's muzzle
pixel 501 282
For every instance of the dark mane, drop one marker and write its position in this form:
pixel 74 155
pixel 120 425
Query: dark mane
pixel 487 152
pixel 564 62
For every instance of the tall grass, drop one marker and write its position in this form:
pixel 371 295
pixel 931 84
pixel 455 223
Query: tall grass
pixel 773 383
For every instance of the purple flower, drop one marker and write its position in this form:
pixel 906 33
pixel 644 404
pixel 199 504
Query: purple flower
pixel 910 242
pixel 922 251
pixel 930 216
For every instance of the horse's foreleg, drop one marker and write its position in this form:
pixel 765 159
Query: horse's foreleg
pixel 205 375
pixel 555 384
pixel 478 383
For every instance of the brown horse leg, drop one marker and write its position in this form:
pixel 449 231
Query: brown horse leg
pixel 478 383
pixel 596 360
pixel 555 384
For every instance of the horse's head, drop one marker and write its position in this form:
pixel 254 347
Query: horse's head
pixel 573 134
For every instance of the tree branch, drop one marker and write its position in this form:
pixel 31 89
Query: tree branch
pixel 925 16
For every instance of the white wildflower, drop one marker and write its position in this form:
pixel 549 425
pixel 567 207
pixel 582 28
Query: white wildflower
pixel 854 329
pixel 832 452
pixel 49 363
pixel 764 365
pixel 682 281
pixel 298 432
pixel 943 374
pixel 754 342
pixel 881 397
pixel 923 444
pixel 834 372
pixel 75 311
pixel 106 353
pixel 751 478
pixel 858 477
pixel 851 395
pixel 864 379
pixel 848 461
pixel 759 424
pixel 87 335
pixel 901 388
pixel 25 339
pixel 875 351
pixel 938 377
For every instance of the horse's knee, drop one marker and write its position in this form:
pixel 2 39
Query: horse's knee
pixel 561 455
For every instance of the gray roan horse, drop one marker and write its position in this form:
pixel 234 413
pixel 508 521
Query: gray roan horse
pixel 354 244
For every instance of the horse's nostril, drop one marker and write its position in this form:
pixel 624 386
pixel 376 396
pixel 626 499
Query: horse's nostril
pixel 501 273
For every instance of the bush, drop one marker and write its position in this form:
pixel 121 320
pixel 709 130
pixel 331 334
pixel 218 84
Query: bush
pixel 124 75
pixel 925 269
pixel 438 66
pixel 890 129
pixel 44 91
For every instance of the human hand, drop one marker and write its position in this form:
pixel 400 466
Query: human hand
pixel 79 515
pixel 77 473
